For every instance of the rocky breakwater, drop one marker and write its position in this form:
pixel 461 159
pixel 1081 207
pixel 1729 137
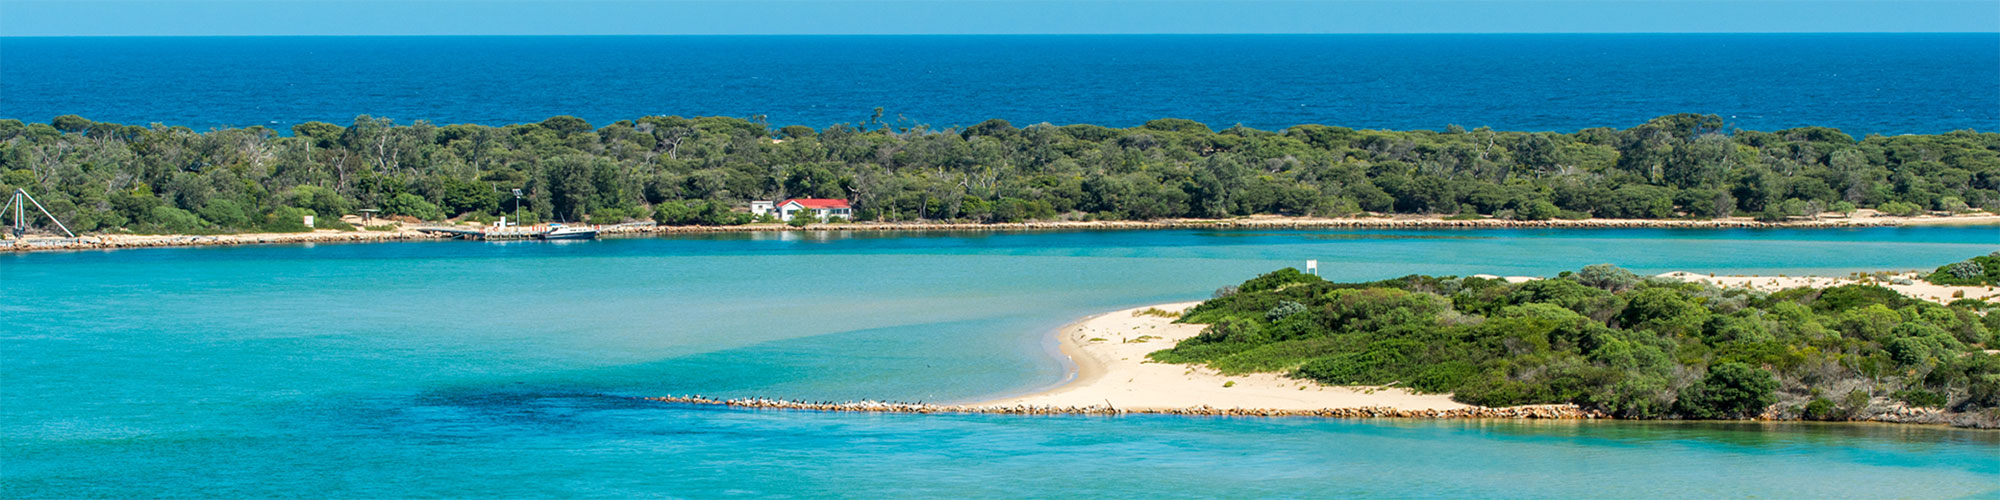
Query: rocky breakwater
pixel 1553 412
pixel 117 241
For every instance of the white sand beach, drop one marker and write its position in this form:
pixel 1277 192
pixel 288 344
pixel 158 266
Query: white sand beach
pixel 1918 288
pixel 1110 354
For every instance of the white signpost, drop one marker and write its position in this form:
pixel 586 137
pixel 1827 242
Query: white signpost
pixel 1312 267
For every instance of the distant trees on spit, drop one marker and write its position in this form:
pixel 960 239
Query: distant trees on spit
pixel 110 177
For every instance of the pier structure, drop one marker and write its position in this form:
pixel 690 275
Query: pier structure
pixel 486 233
pixel 511 233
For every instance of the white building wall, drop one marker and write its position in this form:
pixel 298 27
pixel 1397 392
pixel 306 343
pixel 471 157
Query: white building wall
pixel 785 213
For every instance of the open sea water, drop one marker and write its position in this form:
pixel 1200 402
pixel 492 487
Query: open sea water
pixel 510 370
pixel 1860 83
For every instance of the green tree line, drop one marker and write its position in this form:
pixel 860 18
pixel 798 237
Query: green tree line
pixel 1609 340
pixel 111 177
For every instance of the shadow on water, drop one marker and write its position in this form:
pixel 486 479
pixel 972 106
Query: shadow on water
pixel 1373 235
pixel 1743 434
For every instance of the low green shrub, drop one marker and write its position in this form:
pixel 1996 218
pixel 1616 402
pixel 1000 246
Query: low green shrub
pixel 1921 398
pixel 287 220
pixel 1819 409
pixel 1977 271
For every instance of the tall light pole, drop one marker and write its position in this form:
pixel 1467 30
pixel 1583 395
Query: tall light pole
pixel 517 207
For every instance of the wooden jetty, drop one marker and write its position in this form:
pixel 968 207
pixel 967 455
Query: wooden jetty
pixel 511 233
pixel 486 233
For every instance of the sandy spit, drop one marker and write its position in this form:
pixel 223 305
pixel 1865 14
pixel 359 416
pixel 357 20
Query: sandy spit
pixel 407 231
pixel 1113 377
pixel 1109 351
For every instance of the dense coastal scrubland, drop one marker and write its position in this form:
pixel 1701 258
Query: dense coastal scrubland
pixel 111 178
pixel 1613 342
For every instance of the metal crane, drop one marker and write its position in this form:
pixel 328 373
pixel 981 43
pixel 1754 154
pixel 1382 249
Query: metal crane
pixel 18 204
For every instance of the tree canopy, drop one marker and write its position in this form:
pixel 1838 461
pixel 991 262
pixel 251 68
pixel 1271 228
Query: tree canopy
pixel 106 176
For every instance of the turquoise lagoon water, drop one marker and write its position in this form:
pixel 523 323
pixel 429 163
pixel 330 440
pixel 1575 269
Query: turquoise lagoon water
pixel 509 370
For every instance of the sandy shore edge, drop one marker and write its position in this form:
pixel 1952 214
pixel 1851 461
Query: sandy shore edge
pixel 1909 283
pixel 1109 352
pixel 1084 370
pixel 409 232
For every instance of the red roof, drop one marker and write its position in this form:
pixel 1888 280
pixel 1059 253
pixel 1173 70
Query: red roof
pixel 816 203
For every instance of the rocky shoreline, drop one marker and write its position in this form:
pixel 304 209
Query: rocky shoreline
pixel 119 241
pixel 1546 412
pixel 1903 414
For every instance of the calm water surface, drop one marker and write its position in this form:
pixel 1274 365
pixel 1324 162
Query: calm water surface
pixel 507 370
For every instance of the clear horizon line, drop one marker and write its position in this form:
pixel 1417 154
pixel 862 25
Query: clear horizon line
pixel 531 35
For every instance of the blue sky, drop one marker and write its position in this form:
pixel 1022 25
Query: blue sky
pixel 603 17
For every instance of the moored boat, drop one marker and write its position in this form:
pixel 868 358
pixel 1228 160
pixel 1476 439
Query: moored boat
pixel 562 232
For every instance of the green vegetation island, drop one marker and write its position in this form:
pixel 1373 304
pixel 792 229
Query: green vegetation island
pixel 108 178
pixel 1623 345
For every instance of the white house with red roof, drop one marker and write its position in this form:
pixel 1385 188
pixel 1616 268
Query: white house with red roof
pixel 818 208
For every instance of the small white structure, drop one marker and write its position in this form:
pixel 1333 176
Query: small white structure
pixel 817 208
pixel 763 208
pixel 1312 267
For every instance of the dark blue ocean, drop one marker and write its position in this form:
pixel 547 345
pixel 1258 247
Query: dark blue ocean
pixel 1860 83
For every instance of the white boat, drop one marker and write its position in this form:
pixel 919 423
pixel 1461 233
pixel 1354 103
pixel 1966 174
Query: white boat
pixel 562 232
